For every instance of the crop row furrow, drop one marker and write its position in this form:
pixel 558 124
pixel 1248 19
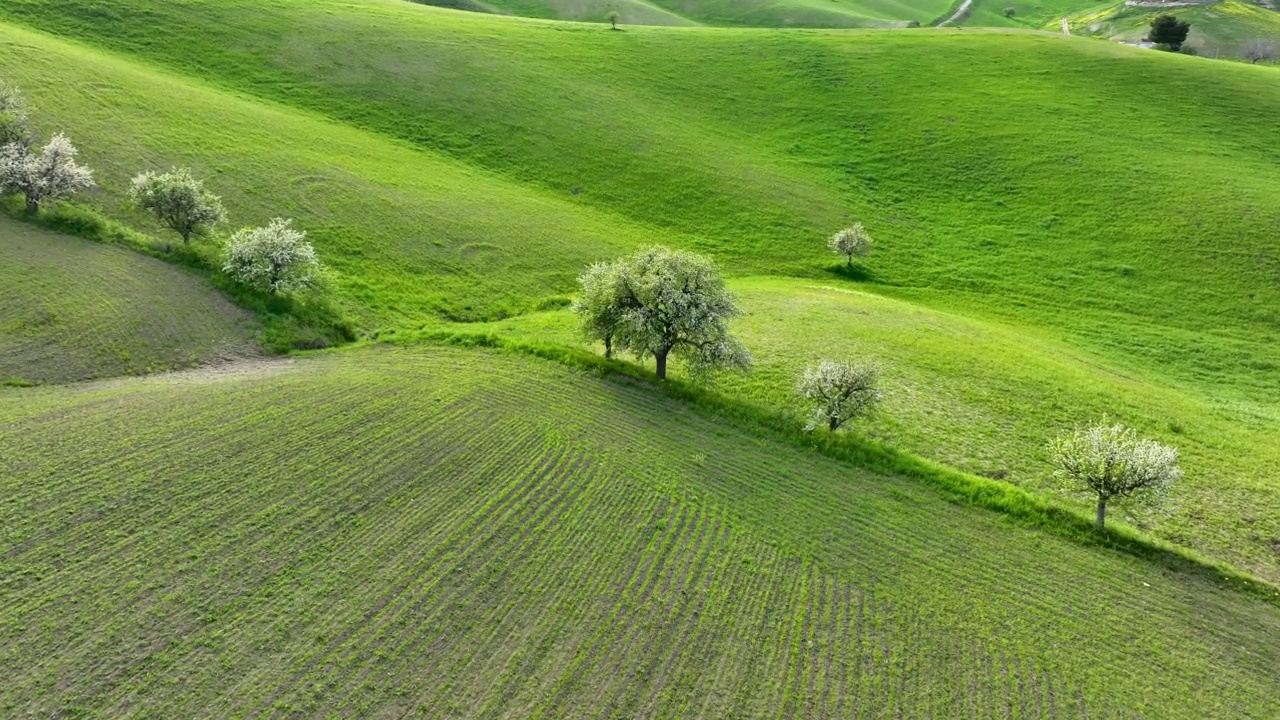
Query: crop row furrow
pixel 394 489
pixel 353 637
pixel 761 666
pixel 620 629
pixel 211 506
pixel 491 553
pixel 542 559
pixel 642 622
pixel 580 604
pixel 633 670
pixel 682 635
pixel 218 583
pixel 614 594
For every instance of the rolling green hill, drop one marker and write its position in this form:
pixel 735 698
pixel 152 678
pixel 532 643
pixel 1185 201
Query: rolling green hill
pixel 465 534
pixel 1034 191
pixel 1220 29
pixel 1065 229
pixel 727 13
pixel 75 310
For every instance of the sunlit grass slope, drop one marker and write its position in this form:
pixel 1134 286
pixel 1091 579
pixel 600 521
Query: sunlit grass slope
pixel 409 234
pixel 752 13
pixel 1012 173
pixel 986 397
pixel 475 535
pixel 73 310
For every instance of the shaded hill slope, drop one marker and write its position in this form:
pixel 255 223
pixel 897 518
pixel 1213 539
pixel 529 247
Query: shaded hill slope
pixel 75 310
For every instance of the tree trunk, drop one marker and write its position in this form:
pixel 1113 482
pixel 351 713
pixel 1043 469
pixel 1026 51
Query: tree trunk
pixel 1102 512
pixel 608 348
pixel 33 206
pixel 848 261
pixel 661 357
pixel 186 237
pixel 833 423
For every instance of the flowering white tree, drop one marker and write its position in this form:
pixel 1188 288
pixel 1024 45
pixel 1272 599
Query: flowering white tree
pixel 1259 49
pixel 48 174
pixel 179 201
pixel 1112 461
pixel 275 259
pixel 851 241
pixel 597 306
pixel 14 126
pixel 839 392
pixel 664 302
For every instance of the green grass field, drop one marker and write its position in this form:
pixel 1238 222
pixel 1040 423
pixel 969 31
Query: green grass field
pixel 442 184
pixel 75 310
pixel 1065 228
pixel 464 534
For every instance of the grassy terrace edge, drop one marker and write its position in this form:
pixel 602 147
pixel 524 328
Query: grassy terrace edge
pixel 287 324
pixel 1021 506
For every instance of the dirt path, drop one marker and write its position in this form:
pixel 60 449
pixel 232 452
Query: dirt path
pixel 211 372
pixel 959 11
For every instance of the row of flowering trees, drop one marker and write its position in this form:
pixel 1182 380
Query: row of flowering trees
pixel 275 259
pixel 661 303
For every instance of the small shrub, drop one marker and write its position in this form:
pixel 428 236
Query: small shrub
pixel 1168 32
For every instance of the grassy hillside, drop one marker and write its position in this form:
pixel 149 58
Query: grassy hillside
pixel 983 185
pixel 74 310
pixel 1034 190
pixel 751 13
pixel 474 535
pixel 985 397
pixel 1219 29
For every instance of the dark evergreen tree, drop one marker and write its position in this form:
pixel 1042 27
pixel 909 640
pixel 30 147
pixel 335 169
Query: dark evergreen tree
pixel 1169 30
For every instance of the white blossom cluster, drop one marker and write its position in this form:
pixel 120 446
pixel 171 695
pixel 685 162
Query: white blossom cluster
pixel 13 116
pixel 851 241
pixel 1112 461
pixel 178 200
pixel 662 302
pixel 839 392
pixel 47 174
pixel 275 259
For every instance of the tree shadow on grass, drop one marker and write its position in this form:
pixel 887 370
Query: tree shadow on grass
pixel 856 273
